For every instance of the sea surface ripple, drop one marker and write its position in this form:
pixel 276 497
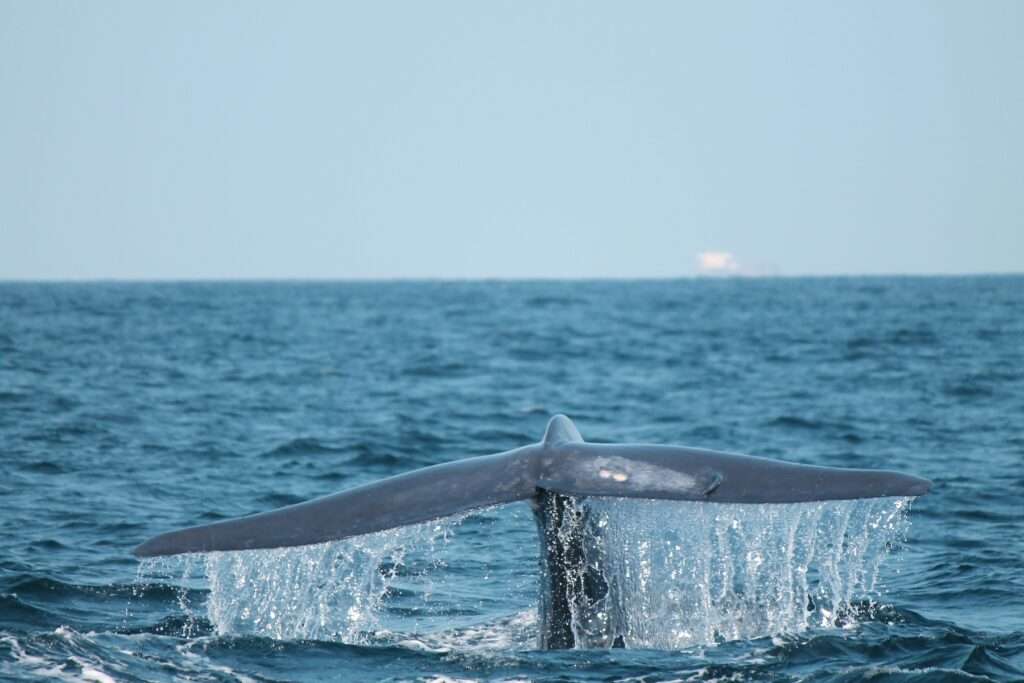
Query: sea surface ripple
pixel 128 409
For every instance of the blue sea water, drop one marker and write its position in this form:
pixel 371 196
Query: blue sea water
pixel 127 410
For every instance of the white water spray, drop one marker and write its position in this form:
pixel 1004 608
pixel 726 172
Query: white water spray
pixel 679 574
pixel 338 591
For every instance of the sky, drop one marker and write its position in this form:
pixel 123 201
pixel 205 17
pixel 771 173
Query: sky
pixel 199 140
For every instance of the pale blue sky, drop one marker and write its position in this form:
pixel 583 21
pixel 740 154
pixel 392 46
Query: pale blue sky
pixel 484 139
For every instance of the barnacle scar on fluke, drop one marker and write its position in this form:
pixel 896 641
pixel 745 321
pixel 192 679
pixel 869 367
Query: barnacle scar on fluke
pixel 553 475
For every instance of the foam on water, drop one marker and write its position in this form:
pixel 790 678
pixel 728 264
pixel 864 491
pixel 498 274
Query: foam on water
pixel 679 574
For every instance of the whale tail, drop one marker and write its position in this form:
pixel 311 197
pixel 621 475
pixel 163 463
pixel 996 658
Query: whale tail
pixel 560 463
pixel 410 498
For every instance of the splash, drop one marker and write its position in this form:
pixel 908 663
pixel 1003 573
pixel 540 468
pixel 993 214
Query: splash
pixel 678 575
pixel 685 574
pixel 345 591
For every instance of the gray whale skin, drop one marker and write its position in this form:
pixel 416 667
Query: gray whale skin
pixel 553 475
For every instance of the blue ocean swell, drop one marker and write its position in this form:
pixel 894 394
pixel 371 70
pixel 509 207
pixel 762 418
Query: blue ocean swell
pixel 130 409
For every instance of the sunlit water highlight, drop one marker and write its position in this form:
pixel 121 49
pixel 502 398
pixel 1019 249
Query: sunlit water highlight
pixel 679 575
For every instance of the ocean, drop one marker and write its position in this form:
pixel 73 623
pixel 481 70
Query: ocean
pixel 130 409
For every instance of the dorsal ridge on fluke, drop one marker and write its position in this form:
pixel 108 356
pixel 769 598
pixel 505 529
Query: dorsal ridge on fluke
pixel 561 430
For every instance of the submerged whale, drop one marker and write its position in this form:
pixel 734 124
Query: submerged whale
pixel 554 475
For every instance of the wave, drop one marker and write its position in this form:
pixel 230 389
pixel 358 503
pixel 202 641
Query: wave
pixel 886 643
pixel 302 446
pixel 795 422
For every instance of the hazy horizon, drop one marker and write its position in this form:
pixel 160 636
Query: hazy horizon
pixel 463 141
pixel 444 279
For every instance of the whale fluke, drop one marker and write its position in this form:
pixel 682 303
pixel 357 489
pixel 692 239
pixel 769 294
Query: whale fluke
pixel 410 498
pixel 678 473
pixel 561 463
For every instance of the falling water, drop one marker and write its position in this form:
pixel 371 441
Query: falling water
pixel 683 574
pixel 336 591
pixel 679 574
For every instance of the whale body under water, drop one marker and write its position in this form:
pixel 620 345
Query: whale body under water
pixel 554 475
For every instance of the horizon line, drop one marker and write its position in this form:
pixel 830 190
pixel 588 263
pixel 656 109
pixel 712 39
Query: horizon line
pixel 479 278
